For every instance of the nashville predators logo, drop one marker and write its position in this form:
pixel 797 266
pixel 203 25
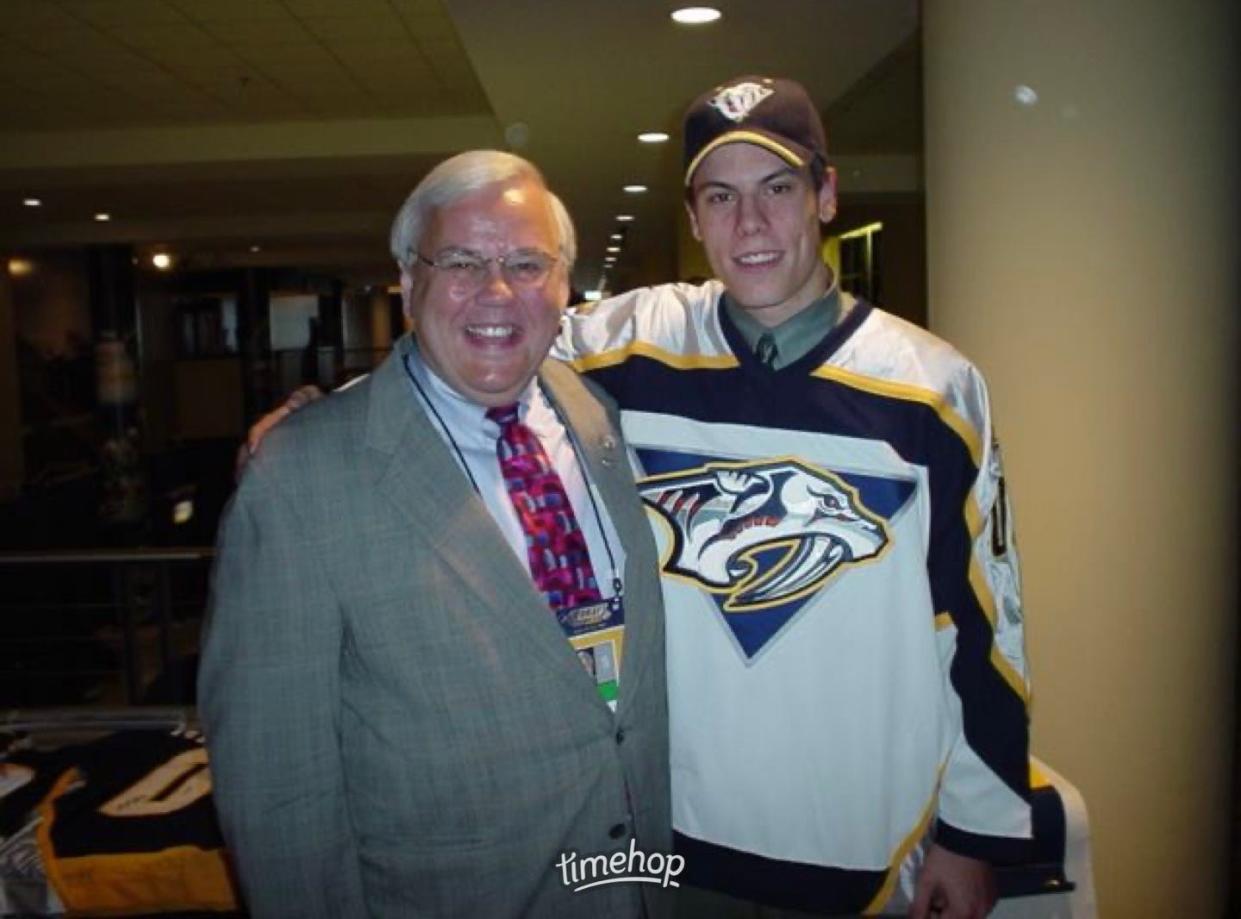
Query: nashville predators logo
pixel 762 535
pixel 736 102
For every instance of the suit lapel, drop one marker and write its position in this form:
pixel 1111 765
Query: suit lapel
pixel 418 474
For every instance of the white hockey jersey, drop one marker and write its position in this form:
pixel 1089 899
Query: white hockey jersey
pixel 846 668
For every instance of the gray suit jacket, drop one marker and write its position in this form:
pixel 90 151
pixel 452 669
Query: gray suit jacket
pixel 397 724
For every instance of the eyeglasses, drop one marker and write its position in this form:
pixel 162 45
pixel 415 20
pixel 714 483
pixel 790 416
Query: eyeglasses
pixel 470 270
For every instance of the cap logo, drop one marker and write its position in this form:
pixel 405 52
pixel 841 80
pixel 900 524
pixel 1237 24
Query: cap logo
pixel 736 102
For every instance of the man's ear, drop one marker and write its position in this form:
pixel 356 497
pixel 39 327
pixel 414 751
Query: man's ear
pixel 826 197
pixel 407 294
pixel 693 220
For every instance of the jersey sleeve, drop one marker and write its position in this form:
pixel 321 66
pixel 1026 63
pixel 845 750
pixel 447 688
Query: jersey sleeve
pixel 669 323
pixel 270 703
pixel 597 340
pixel 975 580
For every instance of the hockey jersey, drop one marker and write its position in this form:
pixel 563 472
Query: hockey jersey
pixel 125 825
pixel 846 667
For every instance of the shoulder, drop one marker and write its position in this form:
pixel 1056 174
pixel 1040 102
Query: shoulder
pixel 663 322
pixel 320 439
pixel 888 346
pixel 677 296
pixel 890 356
pixel 895 352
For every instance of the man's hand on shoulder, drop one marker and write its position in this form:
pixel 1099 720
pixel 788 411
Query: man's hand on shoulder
pixel 300 397
pixel 952 886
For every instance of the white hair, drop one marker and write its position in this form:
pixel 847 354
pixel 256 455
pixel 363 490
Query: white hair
pixel 462 175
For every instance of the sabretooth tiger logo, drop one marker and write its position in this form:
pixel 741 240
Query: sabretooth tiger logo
pixel 762 536
pixel 736 102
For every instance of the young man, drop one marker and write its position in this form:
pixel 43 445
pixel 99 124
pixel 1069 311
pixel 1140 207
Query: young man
pixel 846 670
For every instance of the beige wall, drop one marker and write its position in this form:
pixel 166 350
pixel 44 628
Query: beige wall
pixel 1082 250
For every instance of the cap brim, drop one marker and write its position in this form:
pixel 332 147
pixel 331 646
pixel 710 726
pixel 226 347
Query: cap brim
pixel 782 150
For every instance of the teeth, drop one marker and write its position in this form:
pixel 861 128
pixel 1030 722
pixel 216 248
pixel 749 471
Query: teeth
pixel 490 331
pixel 757 258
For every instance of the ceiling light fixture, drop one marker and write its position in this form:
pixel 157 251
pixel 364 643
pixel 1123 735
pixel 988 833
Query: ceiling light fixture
pixel 613 249
pixel 617 236
pixel 695 15
pixel 653 137
pixel 32 202
pixel 256 248
pixel 161 260
pixel 625 218
pixel 635 189
pixel 103 217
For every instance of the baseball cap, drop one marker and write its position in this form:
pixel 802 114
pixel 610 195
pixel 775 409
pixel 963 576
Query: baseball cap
pixel 772 112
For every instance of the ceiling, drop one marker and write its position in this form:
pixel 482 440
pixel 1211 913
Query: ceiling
pixel 211 127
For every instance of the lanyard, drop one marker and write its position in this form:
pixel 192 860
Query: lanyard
pixel 573 445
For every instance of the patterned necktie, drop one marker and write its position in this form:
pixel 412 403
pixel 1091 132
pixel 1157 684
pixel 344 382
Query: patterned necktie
pixel 555 546
pixel 765 350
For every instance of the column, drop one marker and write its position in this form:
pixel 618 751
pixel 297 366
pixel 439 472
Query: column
pixel 1082 217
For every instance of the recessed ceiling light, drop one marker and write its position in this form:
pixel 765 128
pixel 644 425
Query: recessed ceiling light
pixel 617 236
pixel 256 248
pixel 161 260
pixel 613 249
pixel 653 137
pixel 609 260
pixel 695 15
pixel 625 218
pixel 635 189
pixel 20 267
pixel 32 202
pixel 103 217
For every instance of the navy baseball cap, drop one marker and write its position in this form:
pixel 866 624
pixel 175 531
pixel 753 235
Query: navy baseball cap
pixel 771 112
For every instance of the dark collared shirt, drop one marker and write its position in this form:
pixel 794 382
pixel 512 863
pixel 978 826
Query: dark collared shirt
pixel 796 335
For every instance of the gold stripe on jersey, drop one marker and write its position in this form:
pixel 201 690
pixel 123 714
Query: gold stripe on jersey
pixel 590 362
pixel 1038 778
pixel 928 397
pixel 943 621
pixel 177 879
pixel 904 848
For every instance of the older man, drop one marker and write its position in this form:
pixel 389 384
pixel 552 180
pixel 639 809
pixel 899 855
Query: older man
pixel 411 578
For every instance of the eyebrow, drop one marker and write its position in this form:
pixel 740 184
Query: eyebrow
pixel 779 173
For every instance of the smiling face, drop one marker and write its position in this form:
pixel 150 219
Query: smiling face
pixel 487 340
pixel 758 220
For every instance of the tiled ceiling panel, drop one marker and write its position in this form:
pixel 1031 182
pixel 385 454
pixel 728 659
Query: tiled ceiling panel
pixel 131 63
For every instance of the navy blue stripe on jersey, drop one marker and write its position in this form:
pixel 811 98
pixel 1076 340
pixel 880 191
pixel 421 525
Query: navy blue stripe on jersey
pixel 1040 868
pixel 772 882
